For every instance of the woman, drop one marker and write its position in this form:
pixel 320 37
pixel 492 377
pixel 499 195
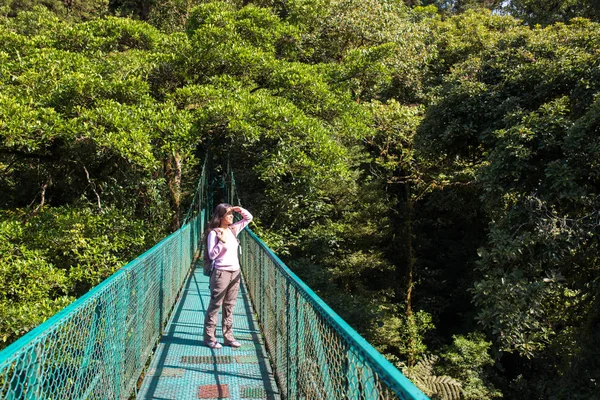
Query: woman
pixel 222 247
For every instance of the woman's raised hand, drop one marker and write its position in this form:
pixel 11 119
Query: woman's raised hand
pixel 236 209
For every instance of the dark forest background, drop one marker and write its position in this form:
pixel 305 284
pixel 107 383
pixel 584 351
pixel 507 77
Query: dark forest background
pixel 431 169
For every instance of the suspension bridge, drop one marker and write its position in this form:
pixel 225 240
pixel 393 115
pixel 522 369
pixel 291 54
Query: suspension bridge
pixel 138 335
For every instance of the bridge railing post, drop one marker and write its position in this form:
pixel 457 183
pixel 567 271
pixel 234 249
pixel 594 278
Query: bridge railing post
pixel 292 341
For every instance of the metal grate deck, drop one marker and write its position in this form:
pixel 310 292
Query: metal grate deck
pixel 182 368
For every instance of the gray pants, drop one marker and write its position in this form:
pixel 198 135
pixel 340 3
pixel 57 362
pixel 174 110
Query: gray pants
pixel 224 286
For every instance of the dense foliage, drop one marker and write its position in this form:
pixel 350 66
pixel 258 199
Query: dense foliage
pixel 430 168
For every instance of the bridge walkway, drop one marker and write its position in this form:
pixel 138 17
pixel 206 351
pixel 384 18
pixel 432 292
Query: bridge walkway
pixel 183 368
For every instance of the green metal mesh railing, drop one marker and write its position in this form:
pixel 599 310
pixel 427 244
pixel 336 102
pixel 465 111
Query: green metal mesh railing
pixel 315 354
pixel 97 347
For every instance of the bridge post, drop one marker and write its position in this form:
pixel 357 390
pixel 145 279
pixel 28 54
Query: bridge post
pixel 360 378
pixel 300 344
pixel 321 358
pixel 88 352
pixel 280 322
pixel 33 376
pixel 120 306
pixel 352 383
pixel 292 342
pixel 264 277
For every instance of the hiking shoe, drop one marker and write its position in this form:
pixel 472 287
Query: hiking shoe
pixel 213 345
pixel 235 344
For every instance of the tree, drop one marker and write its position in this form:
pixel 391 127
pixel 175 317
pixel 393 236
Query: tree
pixel 548 12
pixel 459 6
pixel 84 152
pixel 76 10
pixel 424 173
pixel 515 107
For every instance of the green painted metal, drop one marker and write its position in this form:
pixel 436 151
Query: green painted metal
pixel 181 364
pixel 315 353
pixel 98 347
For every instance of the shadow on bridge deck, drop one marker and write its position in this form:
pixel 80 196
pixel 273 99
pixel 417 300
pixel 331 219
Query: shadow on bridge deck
pixel 182 368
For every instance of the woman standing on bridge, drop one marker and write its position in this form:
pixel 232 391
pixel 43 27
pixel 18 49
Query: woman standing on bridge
pixel 222 245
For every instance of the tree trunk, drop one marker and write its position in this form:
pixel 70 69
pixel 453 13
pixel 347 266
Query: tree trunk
pixel 410 263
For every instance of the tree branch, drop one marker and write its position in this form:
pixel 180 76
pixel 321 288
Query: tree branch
pixel 43 195
pixel 93 186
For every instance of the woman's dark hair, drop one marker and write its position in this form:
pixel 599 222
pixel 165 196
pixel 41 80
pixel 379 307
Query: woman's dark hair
pixel 219 213
pixel 214 222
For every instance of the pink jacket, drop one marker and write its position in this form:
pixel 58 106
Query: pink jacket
pixel 225 254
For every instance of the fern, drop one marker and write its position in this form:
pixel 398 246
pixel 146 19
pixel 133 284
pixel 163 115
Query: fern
pixel 437 387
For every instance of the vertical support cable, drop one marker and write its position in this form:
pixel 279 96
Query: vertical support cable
pixel 292 344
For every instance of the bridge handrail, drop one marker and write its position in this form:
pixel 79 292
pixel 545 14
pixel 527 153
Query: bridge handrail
pixel 315 353
pixel 98 346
